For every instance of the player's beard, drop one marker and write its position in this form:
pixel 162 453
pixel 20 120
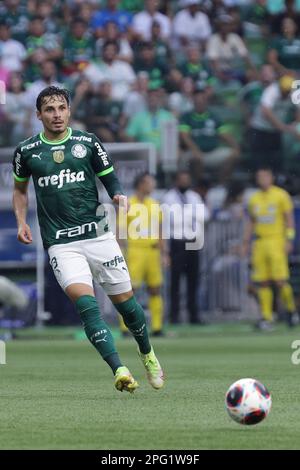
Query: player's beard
pixel 57 130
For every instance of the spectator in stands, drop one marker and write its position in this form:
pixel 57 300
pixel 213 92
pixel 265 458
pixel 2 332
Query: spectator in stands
pixel 40 46
pixel 147 125
pixel 44 9
pixel 146 61
pixel 214 9
pixel 86 12
pixel 289 11
pixel 16 17
pixel 48 76
pixel 191 26
pixel 184 261
pixel 16 109
pixel 227 48
pixel 250 94
pixel 226 88
pixel 272 117
pixel 285 49
pixel 78 46
pixel 173 80
pixel 13 53
pixel 201 134
pixel 80 106
pixel 136 100
pixel 162 49
pixel 180 102
pixel 256 19
pixel 112 33
pixel 119 73
pixel 104 114
pixel 142 21
pixel 194 66
pixel 122 18
pixel 38 38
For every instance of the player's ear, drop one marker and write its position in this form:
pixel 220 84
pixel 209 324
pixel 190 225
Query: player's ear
pixel 38 115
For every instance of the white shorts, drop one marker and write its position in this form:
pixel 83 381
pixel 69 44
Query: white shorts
pixel 99 258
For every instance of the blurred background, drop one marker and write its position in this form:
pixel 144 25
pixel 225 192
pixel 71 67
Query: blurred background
pixel 167 86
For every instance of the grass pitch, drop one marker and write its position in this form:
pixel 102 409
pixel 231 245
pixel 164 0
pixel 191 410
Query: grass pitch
pixel 56 393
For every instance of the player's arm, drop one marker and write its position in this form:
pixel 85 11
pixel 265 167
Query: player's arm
pixel 185 136
pixel 104 170
pixel 20 196
pixel 290 232
pixel 247 235
pixel 20 205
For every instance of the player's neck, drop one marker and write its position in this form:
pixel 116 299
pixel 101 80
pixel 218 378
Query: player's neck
pixel 140 196
pixel 54 135
pixel 265 190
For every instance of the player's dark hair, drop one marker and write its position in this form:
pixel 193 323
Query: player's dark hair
pixel 140 178
pixel 264 168
pixel 52 91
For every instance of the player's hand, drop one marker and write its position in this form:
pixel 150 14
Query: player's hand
pixel 24 234
pixel 121 201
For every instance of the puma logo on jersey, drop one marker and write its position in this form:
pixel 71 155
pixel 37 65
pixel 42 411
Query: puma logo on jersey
pixel 64 177
pixel 34 155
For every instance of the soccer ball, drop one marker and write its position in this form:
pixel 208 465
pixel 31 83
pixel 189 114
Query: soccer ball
pixel 248 401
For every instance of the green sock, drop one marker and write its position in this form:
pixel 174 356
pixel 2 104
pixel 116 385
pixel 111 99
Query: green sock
pixel 134 318
pixel 97 330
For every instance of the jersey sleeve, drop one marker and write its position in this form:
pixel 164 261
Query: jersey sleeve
pixel 20 168
pixel 101 162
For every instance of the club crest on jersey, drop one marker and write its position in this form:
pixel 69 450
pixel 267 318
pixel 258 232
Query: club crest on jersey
pixel 58 156
pixel 79 151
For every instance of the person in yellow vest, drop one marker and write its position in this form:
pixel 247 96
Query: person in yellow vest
pixel 146 250
pixel 271 228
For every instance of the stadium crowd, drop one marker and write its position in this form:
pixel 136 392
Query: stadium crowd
pixel 223 69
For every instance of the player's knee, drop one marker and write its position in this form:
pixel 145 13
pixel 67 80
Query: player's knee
pixel 264 284
pixel 75 291
pixel 280 284
pixel 120 298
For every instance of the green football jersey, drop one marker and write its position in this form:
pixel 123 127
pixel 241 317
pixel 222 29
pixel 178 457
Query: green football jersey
pixel 204 128
pixel 63 173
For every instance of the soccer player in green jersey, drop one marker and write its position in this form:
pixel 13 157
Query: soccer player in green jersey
pixel 63 164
